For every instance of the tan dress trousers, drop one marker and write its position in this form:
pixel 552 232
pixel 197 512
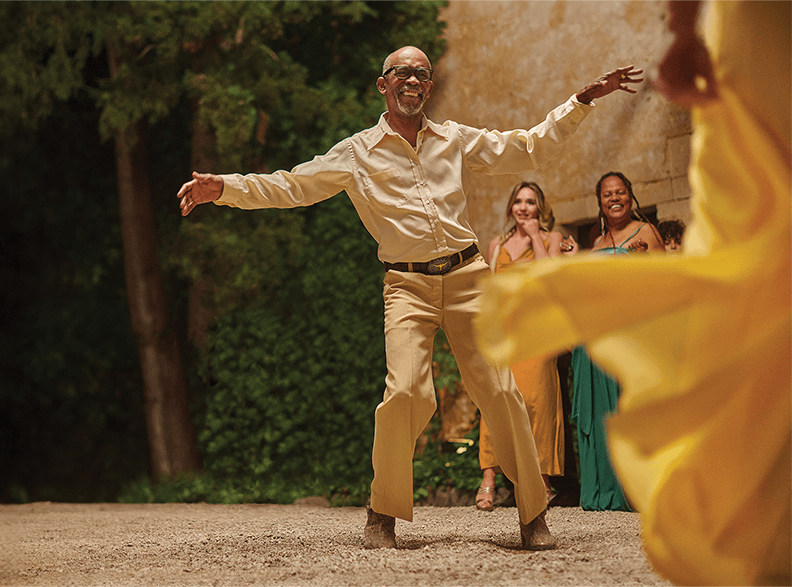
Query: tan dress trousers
pixel 416 307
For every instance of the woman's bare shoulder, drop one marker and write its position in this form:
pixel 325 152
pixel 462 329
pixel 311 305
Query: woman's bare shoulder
pixel 651 236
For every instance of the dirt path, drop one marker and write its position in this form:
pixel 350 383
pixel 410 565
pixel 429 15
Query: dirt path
pixel 197 544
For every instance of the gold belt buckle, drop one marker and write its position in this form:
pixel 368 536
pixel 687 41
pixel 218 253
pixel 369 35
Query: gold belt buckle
pixel 439 266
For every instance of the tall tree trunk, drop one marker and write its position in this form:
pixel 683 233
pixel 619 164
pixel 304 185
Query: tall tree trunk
pixel 171 434
pixel 199 316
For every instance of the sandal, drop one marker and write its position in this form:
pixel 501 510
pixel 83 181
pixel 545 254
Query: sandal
pixel 484 498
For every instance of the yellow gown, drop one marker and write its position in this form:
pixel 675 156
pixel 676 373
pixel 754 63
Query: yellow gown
pixel 701 342
pixel 537 380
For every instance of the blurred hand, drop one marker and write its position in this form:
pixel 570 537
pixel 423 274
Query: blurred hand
pixel 204 187
pixel 685 73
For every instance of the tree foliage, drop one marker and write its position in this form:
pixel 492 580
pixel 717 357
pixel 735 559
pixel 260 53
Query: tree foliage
pixel 71 421
pixel 285 384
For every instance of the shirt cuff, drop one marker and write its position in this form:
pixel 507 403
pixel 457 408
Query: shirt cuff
pixel 230 183
pixel 574 100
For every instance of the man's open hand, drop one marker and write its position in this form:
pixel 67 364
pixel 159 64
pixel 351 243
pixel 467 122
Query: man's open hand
pixel 610 82
pixel 204 187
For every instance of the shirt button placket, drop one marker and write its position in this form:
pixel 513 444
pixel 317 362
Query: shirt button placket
pixel 431 209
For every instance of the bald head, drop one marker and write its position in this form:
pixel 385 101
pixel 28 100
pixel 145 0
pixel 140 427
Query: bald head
pixel 408 53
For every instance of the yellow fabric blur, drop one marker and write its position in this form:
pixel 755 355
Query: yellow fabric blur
pixel 700 342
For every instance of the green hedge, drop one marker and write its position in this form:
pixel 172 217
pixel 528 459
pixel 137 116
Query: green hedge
pixel 292 388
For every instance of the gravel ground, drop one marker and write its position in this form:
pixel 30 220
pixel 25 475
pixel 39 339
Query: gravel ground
pixel 198 544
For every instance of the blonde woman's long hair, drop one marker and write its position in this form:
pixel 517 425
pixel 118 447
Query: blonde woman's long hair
pixel 546 218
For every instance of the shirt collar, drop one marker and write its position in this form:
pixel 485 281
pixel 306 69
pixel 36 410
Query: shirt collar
pixel 441 130
pixel 378 132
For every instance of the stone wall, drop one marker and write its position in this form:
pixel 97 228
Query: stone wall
pixel 508 64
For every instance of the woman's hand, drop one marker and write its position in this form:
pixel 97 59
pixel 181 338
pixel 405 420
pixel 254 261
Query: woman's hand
pixel 531 226
pixel 569 246
pixel 638 245
pixel 684 74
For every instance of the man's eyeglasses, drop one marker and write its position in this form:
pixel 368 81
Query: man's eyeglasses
pixel 405 72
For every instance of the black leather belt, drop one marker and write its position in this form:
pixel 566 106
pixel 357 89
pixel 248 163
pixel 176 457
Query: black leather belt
pixel 439 266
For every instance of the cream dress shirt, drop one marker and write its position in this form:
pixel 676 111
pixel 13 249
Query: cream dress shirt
pixel 413 201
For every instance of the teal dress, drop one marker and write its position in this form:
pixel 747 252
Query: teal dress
pixel 596 395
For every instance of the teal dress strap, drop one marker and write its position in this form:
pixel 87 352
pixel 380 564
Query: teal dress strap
pixel 621 249
pixel 633 234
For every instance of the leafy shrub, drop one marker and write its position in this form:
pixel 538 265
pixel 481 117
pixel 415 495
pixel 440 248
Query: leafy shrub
pixel 294 386
pixel 443 465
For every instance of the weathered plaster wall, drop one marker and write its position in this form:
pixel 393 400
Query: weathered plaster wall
pixel 508 64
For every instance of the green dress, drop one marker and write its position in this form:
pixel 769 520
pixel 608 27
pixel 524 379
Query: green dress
pixel 596 395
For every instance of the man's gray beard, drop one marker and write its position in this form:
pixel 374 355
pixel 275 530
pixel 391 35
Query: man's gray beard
pixel 409 110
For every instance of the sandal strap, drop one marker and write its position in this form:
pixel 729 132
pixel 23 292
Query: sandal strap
pixel 484 489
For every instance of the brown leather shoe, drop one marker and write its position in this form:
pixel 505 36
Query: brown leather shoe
pixel 380 531
pixel 536 535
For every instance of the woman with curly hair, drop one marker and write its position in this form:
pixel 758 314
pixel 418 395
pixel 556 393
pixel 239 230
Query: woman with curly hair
pixel 623 229
pixel 621 219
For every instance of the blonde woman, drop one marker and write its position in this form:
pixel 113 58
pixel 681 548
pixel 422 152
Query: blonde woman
pixel 530 237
